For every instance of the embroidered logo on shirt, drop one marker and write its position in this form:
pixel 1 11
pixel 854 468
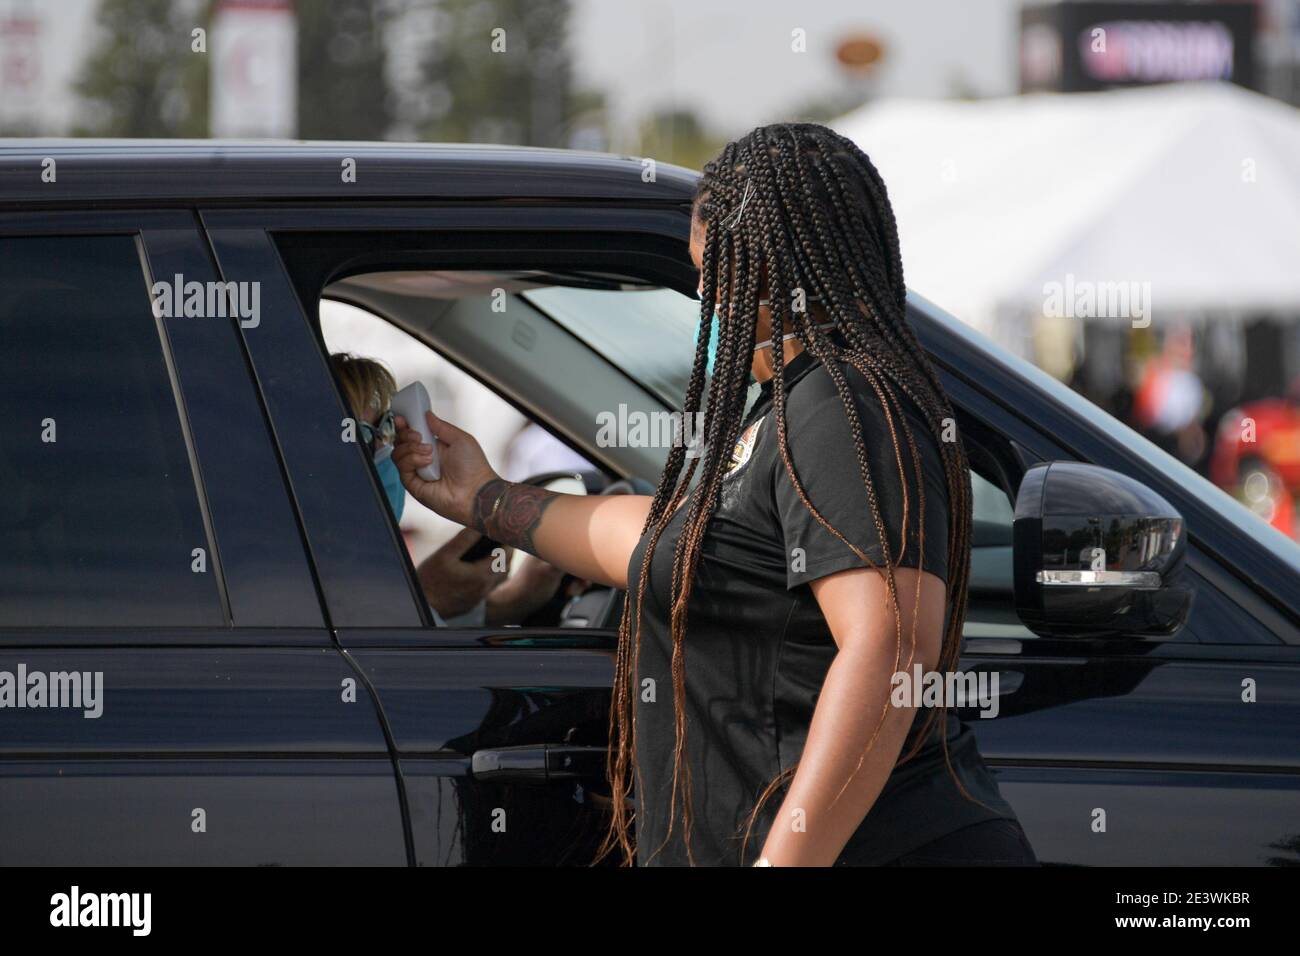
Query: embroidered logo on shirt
pixel 743 448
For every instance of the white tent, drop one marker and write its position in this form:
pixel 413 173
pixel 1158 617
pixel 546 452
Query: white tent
pixel 1193 188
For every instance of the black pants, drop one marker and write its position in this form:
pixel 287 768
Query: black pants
pixel 989 843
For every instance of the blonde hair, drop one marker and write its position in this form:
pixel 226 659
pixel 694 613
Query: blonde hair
pixel 367 384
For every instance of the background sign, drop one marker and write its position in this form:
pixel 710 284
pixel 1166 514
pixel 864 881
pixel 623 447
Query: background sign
pixel 1079 47
pixel 254 69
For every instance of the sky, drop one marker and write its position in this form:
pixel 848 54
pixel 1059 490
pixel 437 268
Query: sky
pixel 732 61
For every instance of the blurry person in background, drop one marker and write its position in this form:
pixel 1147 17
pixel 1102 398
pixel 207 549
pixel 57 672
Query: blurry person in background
pixel 1257 457
pixel 467 593
pixel 1171 402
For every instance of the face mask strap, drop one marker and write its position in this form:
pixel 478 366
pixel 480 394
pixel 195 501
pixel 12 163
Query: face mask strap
pixel 808 298
pixel 766 302
pixel 767 343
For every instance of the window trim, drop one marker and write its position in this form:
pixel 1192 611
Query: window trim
pixel 284 609
pixel 238 235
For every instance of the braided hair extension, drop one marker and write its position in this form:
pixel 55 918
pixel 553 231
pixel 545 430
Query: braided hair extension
pixel 805 206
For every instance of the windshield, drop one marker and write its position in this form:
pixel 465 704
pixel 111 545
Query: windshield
pixel 648 333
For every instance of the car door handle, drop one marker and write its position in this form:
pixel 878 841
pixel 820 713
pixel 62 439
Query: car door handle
pixel 540 763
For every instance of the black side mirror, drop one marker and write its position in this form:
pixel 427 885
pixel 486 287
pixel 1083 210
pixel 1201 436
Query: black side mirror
pixel 1097 554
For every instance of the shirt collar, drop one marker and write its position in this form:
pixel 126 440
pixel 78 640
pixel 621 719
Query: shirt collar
pixel 795 369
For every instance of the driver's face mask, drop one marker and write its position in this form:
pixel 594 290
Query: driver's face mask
pixel 391 479
pixel 379 438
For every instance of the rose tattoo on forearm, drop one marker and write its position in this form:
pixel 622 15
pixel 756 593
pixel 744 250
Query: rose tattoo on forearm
pixel 509 512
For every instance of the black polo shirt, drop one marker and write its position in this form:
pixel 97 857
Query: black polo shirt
pixel 757 647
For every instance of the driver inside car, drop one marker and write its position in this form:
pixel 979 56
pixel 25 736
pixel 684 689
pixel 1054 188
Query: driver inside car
pixel 464 593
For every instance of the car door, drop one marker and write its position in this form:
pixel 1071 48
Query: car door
pixel 1126 751
pixel 500 734
pixel 170 692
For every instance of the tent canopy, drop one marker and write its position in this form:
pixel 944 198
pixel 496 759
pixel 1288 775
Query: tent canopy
pixel 1193 188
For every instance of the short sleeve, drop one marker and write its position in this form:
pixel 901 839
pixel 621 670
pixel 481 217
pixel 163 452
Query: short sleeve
pixel 827 460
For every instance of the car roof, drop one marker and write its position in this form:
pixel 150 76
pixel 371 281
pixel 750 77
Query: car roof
pixel 179 172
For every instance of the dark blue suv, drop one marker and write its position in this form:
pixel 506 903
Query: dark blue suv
pixel 213 645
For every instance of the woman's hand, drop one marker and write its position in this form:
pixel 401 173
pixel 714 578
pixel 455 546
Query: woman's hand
pixel 465 468
pixel 590 537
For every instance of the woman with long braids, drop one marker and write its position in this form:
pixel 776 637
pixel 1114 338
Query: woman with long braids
pixel 785 572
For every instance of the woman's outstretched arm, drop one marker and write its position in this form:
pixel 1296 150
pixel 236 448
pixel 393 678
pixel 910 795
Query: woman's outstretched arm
pixel 820 813
pixel 590 537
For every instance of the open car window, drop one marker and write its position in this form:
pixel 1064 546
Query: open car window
pixel 652 340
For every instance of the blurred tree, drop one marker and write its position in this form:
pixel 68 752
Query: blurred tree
pixel 587 126
pixel 499 71
pixel 826 106
pixel 342 70
pixel 677 136
pixel 143 78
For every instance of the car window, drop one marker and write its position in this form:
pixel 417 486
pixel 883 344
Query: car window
pixel 515 446
pixel 652 339
pixel 991 610
pixel 100 522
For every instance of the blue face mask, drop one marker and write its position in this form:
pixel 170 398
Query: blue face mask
pixel 392 482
